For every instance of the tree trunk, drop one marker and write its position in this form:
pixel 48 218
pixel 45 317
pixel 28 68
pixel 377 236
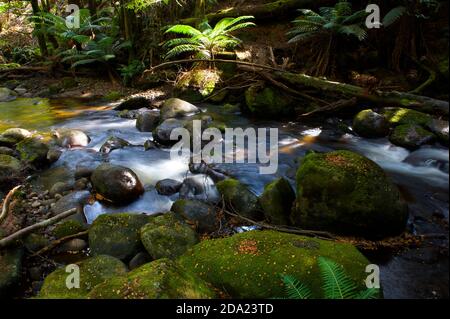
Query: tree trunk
pixel 38 27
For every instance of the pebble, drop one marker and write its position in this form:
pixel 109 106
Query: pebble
pixel 36 204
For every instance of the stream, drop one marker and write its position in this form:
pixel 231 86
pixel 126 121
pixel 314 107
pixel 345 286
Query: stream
pixel 422 175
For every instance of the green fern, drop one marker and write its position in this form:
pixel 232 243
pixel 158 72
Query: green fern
pixel 205 41
pixel 336 284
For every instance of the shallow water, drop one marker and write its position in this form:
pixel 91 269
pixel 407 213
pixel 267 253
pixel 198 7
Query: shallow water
pixel 422 175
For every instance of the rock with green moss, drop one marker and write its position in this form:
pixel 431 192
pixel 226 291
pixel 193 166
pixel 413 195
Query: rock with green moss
pixel 368 123
pixel 239 198
pixel 276 201
pixel 200 214
pixel 67 228
pixel 33 151
pixel 160 279
pixel 250 264
pixel 117 234
pixel 167 237
pixel 268 102
pixel 346 193
pixel 11 270
pixel 197 84
pixel 175 107
pixel 411 136
pixel 398 116
pixel 9 166
pixel 17 134
pixel 93 271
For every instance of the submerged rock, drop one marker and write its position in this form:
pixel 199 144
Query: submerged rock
pixel 175 107
pixel 116 184
pixel 93 271
pixel 117 235
pixel 160 279
pixel 197 213
pixel 133 103
pixel 346 193
pixel 276 201
pixel 113 143
pixel 411 136
pixel 250 264
pixel 368 123
pixel 71 138
pixel 239 198
pixel 147 121
pixel 167 237
pixel 168 186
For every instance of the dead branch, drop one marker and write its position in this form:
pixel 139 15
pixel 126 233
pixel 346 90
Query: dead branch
pixel 333 106
pixel 4 242
pixel 6 203
pixel 57 242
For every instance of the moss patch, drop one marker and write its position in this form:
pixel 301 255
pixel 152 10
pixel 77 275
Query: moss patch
pixel 398 116
pixel 67 228
pixel 276 201
pixel 268 102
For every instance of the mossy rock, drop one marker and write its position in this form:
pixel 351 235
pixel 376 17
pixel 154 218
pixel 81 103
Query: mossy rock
pixel 238 197
pixel 167 237
pixel 67 228
pixel 197 84
pixel 9 165
pixel 17 134
pixel 411 136
pixel 276 201
pixel 398 116
pixel 346 193
pixel 194 212
pixel 368 123
pixel 117 234
pixel 33 151
pixel 160 279
pixel 93 271
pixel 268 102
pixel 250 264
pixel 11 270
pixel 35 242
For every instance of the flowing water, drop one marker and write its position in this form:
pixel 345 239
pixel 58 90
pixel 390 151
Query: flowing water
pixel 422 175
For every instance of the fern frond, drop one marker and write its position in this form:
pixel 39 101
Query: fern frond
pixel 370 293
pixel 183 29
pixel 181 49
pixel 336 284
pixel 295 289
pixel 393 15
pixel 355 31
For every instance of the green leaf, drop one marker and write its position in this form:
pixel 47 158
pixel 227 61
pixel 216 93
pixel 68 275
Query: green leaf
pixel 183 29
pixel 295 289
pixel 336 284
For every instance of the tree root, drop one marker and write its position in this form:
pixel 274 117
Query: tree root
pixel 6 203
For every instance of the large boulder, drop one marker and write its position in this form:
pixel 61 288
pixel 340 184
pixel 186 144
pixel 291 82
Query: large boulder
pixel 7 95
pixel 250 264
pixel 411 136
pixel 116 184
pixel 368 123
pixel 160 279
pixel 194 212
pixel 113 143
pixel 71 138
pixel 147 121
pixel 11 270
pixel 268 102
pixel 276 201
pixel 175 107
pixel 133 103
pixel 346 193
pixel 33 151
pixel 117 235
pixel 398 116
pixel 167 237
pixel 239 198
pixel 93 271
pixel 161 134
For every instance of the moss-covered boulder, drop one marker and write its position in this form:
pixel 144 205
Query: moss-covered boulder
pixel 17 134
pixel 250 264
pixel 9 166
pixel 239 198
pixel 167 237
pixel 93 271
pixel 33 151
pixel 117 235
pixel 197 213
pixel 276 201
pixel 116 184
pixel 67 228
pixel 368 123
pixel 11 270
pixel 398 116
pixel 268 102
pixel 346 193
pixel 160 279
pixel 411 136
pixel 197 84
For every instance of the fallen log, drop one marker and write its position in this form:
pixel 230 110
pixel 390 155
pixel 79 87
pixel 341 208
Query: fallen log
pixel 6 203
pixel 11 239
pixel 276 9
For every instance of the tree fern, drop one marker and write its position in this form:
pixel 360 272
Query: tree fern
pixel 393 15
pixel 295 289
